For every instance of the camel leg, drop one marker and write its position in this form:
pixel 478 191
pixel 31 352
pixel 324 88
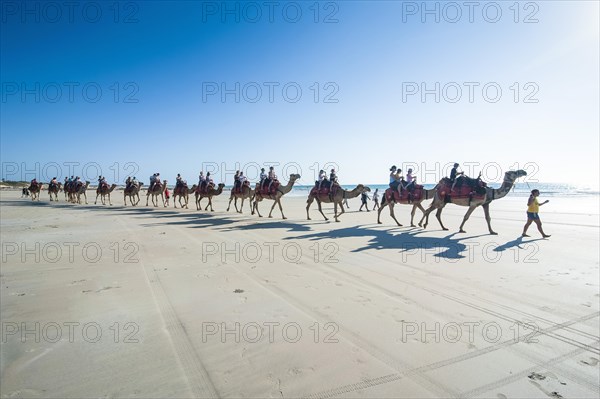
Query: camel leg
pixel 273 207
pixel 97 195
pixel 147 197
pixel 85 197
pixel 281 208
pixel 379 212
pixel 438 215
pixel 242 204
pixel 426 216
pixel 469 212
pixel 335 215
pixel 109 202
pixel 393 215
pixel 229 205
pixel 321 209
pixel 488 218
pixel 412 213
pixel 175 201
pixel 162 196
pixel 308 203
pixel 256 208
pixel 124 199
pixel 235 204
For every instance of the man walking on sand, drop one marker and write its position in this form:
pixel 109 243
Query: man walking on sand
pixel 533 207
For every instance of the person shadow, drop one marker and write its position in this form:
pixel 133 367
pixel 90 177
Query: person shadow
pixel 516 243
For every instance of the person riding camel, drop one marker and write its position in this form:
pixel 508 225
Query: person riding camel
pixel 153 179
pixel 322 179
pixel 236 182
pixel 201 179
pixel 242 180
pixel 53 182
pixel 102 182
pixel 178 181
pixel 400 179
pixel 208 181
pixel 272 178
pixel 410 184
pixel 333 183
pixel 128 183
pixel 263 177
pixel 455 176
pixel 34 182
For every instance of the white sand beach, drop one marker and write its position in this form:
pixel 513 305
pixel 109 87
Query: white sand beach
pixel 113 301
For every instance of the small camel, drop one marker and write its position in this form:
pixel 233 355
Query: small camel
pixel 157 189
pixel 104 191
pixel 183 192
pixel 133 191
pixel 338 199
pixel 209 193
pixel 276 198
pixel 53 190
pixel 81 190
pixel 491 194
pixel 416 204
pixel 35 190
pixel 246 192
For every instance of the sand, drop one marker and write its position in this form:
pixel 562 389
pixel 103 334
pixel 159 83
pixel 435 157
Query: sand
pixel 113 301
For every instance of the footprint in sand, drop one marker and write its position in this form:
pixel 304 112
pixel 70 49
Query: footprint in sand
pixel 501 396
pixel 77 281
pixel 107 288
pixel 536 377
pixel 592 362
pixel 238 291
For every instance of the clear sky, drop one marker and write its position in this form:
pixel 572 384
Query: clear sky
pixel 190 84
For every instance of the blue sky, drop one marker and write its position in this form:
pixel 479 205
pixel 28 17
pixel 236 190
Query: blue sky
pixel 362 56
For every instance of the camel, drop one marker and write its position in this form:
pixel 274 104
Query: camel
pixel 276 198
pixel 54 189
pixel 210 192
pixel 491 194
pixel 82 191
pixel 183 192
pixel 35 190
pixel 132 191
pixel 247 192
pixel 338 199
pixel 425 195
pixel 158 189
pixel 102 191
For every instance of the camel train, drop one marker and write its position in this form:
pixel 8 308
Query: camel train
pixel 470 193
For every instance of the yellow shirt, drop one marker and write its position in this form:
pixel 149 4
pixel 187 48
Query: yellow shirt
pixel 534 207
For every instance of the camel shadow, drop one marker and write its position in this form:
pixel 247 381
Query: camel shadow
pixel 290 227
pixel 406 241
pixel 515 243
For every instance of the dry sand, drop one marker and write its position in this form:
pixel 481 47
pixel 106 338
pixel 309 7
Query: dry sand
pixel 155 302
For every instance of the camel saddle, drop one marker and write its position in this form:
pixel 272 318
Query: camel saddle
pixel 180 189
pixel 326 189
pixel 414 194
pixel 203 188
pixel 104 186
pixel 464 188
pixel 264 189
pixel 238 187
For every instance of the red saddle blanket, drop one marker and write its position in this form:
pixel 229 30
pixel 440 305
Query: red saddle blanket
pixel 325 190
pixel 464 191
pixel 264 189
pixel 408 196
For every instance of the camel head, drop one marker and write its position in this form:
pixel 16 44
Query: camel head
pixel 512 175
pixel 366 189
pixel 221 185
pixel 294 177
